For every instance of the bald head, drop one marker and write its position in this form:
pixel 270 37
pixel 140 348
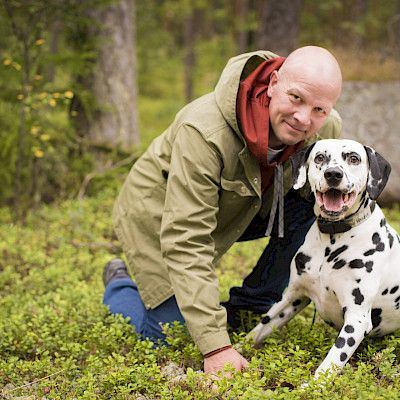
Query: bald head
pixel 314 65
pixel 302 94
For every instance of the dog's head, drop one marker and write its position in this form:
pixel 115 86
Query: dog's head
pixel 340 173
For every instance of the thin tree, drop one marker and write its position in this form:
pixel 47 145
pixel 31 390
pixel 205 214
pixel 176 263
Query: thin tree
pixel 111 119
pixel 279 25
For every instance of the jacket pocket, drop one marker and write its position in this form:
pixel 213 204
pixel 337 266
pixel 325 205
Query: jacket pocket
pixel 238 187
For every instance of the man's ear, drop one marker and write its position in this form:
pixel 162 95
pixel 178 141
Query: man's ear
pixel 299 166
pixel 273 80
pixel 379 171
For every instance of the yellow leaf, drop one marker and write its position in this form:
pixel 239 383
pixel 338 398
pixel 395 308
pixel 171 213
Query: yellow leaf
pixel 69 94
pixel 45 137
pixel 39 42
pixel 38 77
pixel 7 61
pixel 52 102
pixel 56 95
pixel 20 96
pixel 35 130
pixel 16 66
pixel 38 153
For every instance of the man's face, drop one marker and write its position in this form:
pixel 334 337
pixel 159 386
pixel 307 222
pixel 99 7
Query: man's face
pixel 299 106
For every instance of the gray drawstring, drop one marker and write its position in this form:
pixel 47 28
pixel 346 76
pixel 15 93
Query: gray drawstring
pixel 277 202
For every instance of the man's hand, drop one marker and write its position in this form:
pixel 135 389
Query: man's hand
pixel 216 362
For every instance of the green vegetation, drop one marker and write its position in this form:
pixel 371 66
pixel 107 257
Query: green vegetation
pixel 59 342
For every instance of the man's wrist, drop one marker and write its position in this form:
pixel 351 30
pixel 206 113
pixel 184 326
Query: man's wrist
pixel 216 351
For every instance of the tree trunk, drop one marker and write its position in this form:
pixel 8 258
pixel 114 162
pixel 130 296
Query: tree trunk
pixel 359 11
pixel 279 25
pixel 114 121
pixel 242 31
pixel 191 27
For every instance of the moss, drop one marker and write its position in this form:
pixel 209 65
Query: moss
pixel 58 341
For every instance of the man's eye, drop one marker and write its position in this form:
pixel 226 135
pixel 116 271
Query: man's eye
pixel 294 97
pixel 320 110
pixel 319 158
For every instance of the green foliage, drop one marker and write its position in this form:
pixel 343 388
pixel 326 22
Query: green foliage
pixel 58 341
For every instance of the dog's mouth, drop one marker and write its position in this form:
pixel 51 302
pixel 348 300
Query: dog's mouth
pixel 334 202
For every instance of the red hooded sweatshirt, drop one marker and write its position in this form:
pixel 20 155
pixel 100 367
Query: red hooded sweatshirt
pixel 252 109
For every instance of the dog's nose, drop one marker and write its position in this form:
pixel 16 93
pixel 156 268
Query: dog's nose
pixel 333 176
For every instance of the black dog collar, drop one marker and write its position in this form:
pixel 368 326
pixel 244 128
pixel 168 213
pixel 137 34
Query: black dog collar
pixel 344 225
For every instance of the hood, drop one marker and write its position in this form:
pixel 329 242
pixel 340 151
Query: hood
pixel 237 68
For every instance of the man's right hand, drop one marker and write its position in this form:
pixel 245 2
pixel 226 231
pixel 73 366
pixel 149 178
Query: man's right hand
pixel 216 362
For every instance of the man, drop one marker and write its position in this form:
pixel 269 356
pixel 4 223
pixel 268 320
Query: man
pixel 219 174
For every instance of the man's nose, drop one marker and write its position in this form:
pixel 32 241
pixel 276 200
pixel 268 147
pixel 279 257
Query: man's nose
pixel 303 115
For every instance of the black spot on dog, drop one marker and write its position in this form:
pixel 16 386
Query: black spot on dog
pixel 358 280
pixel 266 319
pixel 380 246
pixel 296 303
pixel 301 260
pixel 390 237
pixel 369 252
pixel 339 264
pixel 376 317
pixel 336 252
pixel 340 342
pixel 333 240
pixel 344 309
pixel 357 263
pixel 358 297
pixel 385 292
pixel 397 299
pixel 343 357
pixel 327 251
pixel 394 289
pixel 281 315
pixel 349 328
pixel 327 288
pixel 376 238
pixel 369 265
pixel 351 341
pixel 383 222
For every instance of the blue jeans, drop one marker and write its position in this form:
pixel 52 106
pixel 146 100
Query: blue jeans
pixel 262 288
pixel 122 297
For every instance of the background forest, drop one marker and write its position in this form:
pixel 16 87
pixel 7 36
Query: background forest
pixel 84 88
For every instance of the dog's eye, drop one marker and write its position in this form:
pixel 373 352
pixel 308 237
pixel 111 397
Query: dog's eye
pixel 353 159
pixel 319 158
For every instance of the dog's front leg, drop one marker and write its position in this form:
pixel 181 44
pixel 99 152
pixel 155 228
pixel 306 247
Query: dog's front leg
pixel 357 324
pixel 279 314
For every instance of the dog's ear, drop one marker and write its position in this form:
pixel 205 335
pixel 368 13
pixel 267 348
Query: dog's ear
pixel 379 171
pixel 299 166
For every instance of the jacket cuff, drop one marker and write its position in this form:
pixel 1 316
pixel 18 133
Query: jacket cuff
pixel 211 342
pixel 217 351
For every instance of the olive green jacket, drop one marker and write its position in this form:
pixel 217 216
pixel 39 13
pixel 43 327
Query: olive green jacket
pixel 188 198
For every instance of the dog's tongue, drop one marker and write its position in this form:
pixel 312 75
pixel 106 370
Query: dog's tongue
pixel 333 200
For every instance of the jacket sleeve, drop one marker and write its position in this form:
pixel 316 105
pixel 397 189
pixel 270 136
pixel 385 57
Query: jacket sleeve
pixel 189 219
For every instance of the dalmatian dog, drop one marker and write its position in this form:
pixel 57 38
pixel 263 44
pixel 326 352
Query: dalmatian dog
pixel 349 262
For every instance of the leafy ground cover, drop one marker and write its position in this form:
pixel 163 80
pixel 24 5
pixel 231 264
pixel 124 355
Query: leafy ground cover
pixel 59 342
